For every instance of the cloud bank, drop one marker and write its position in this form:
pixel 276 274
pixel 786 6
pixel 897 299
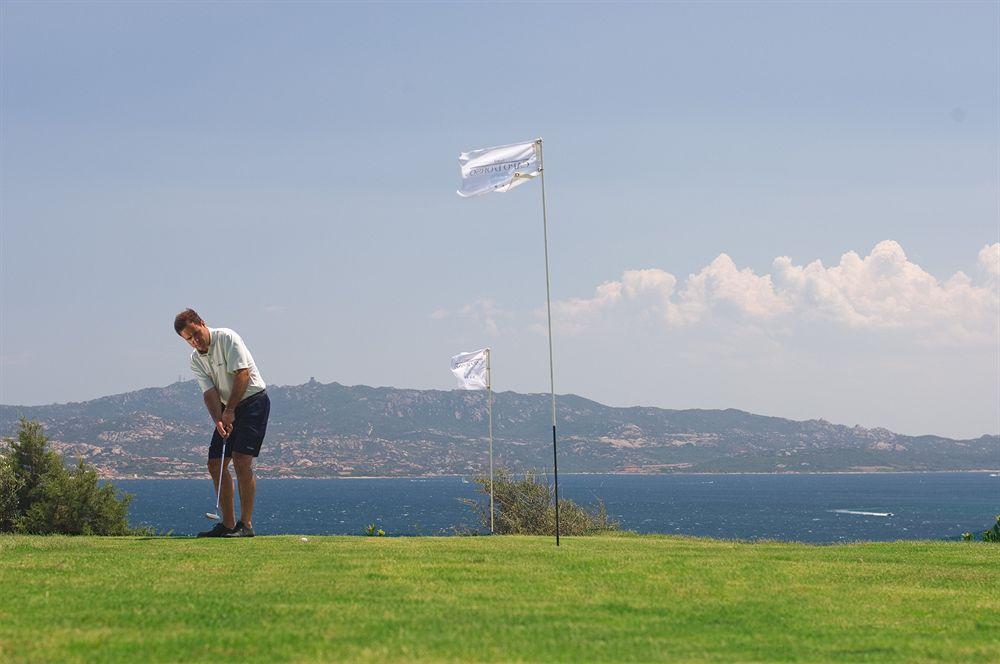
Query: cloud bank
pixel 882 291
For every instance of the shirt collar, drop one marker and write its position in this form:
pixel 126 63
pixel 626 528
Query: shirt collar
pixel 211 342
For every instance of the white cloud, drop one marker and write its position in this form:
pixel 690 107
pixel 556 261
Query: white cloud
pixel 721 284
pixel 883 290
pixel 989 261
pixel 484 311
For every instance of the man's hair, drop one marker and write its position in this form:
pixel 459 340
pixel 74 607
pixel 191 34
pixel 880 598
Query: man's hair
pixel 185 318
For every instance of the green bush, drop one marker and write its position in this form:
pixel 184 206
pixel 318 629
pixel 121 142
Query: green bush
pixel 10 487
pixel 993 534
pixel 39 495
pixel 525 507
pixel 31 463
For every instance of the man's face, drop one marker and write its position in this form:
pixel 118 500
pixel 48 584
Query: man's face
pixel 197 336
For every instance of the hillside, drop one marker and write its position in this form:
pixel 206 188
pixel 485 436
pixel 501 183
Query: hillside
pixel 327 430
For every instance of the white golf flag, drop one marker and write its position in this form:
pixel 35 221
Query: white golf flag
pixel 470 369
pixel 498 169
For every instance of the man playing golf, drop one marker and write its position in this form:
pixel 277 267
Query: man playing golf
pixel 236 399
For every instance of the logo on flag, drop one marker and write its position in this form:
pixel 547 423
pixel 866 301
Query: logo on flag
pixel 498 169
pixel 471 369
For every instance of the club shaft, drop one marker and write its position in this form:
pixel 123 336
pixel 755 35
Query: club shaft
pixel 222 468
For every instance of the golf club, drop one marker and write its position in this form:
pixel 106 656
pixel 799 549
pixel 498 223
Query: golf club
pixel 214 516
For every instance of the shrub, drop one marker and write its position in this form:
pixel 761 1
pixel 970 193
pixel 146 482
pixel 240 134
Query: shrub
pixel 38 495
pixel 31 462
pixel 525 507
pixel 74 503
pixel 10 487
pixel 993 534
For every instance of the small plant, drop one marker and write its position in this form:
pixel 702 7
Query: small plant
pixel 966 537
pixel 371 530
pixel 993 534
pixel 525 507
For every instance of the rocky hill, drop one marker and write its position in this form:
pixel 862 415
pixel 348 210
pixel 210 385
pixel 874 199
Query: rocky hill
pixel 328 430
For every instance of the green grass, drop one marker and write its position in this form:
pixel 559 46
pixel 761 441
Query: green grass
pixel 622 598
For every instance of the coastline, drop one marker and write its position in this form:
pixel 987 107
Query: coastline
pixel 112 478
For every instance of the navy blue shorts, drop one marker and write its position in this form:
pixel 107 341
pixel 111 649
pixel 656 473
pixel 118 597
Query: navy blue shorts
pixel 249 428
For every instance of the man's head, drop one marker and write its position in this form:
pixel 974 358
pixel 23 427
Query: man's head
pixel 189 325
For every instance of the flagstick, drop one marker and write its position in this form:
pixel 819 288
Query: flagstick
pixel 548 305
pixel 489 389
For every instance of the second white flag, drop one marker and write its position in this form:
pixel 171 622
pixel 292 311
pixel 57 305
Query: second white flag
pixel 471 369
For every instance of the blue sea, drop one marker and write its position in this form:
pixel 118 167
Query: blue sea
pixel 822 508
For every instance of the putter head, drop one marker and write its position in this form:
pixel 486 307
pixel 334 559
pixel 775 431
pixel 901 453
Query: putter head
pixel 212 516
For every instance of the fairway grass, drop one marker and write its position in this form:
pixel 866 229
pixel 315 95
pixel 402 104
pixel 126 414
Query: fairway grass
pixel 624 598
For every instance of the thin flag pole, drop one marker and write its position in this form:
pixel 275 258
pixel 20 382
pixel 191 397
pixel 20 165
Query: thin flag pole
pixel 548 306
pixel 489 389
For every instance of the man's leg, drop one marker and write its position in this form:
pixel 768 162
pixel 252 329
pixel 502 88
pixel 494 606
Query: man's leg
pixel 247 485
pixel 226 497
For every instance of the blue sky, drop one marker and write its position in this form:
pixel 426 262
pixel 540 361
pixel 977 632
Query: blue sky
pixel 289 170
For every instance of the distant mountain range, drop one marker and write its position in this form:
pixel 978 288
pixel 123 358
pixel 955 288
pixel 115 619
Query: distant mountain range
pixel 332 430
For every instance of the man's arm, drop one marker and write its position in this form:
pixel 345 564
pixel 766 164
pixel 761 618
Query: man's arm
pixel 214 405
pixel 240 382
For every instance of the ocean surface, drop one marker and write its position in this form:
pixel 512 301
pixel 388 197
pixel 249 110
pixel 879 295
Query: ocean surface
pixel 820 508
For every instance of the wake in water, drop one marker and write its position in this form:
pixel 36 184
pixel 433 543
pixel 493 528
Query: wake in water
pixel 862 513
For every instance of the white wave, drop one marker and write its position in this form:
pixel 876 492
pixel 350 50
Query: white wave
pixel 862 513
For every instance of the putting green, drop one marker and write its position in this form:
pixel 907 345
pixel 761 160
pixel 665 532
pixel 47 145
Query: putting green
pixel 613 598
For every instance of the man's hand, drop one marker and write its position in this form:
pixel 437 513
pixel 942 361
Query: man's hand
pixel 225 423
pixel 215 409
